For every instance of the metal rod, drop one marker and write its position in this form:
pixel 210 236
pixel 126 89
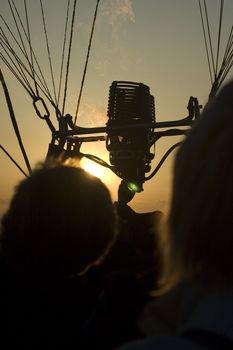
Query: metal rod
pixel 105 129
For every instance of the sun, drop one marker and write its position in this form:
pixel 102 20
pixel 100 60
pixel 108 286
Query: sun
pixel 104 174
pixel 92 167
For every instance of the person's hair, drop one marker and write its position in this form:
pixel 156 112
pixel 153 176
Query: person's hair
pixel 60 220
pixel 201 213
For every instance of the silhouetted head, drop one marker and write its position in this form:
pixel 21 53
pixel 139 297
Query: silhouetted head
pixel 60 220
pixel 201 215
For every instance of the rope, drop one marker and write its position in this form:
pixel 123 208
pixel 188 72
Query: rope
pixel 13 36
pixel 30 45
pixel 229 50
pixel 206 46
pixel 227 62
pixel 48 51
pixel 226 71
pixel 63 50
pixel 13 52
pixel 86 63
pixel 210 41
pixel 44 84
pixel 6 47
pixel 17 27
pixel 68 58
pixel 14 122
pixel 27 35
pixel 12 159
pixel 16 75
pixel 229 44
pixel 25 84
pixel 219 33
pixel 23 79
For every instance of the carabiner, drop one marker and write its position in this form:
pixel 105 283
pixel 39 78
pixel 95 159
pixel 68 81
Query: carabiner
pixel 47 114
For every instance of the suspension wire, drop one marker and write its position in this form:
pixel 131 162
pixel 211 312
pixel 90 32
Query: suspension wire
pixel 7 48
pixel 227 69
pixel 35 58
pixel 205 39
pixel 27 87
pixel 229 50
pixel 16 75
pixel 18 30
pixel 21 64
pixel 27 35
pixel 87 59
pixel 68 58
pixel 12 159
pixel 210 40
pixel 219 33
pixel 230 65
pixel 227 62
pixel 229 44
pixel 13 52
pixel 18 65
pixel 162 161
pixel 63 51
pixel 228 59
pixel 13 36
pixel 31 93
pixel 48 51
pixel 218 74
pixel 30 45
pixel 14 122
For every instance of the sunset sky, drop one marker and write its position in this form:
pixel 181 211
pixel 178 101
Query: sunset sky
pixel 157 42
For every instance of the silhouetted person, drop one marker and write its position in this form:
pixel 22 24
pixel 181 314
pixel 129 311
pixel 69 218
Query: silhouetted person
pixel 129 273
pixel 60 222
pixel 200 238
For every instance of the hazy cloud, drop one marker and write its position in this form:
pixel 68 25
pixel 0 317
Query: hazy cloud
pixel 117 12
pixel 103 66
pixel 92 115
